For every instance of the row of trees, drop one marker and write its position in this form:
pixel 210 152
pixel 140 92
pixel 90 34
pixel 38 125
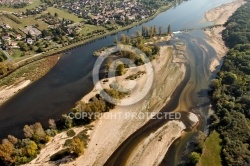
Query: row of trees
pixel 139 41
pixel 230 91
pixel 15 5
pixel 153 31
pixel 238 27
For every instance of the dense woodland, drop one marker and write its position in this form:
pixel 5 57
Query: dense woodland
pixel 230 92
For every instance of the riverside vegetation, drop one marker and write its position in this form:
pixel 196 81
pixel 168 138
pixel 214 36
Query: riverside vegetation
pixel 60 27
pixel 230 96
pixel 15 151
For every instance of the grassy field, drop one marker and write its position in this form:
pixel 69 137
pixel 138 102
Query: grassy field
pixel 90 28
pixel 24 22
pixel 16 53
pixel 64 14
pixel 27 59
pixel 30 6
pixel 211 151
pixel 32 71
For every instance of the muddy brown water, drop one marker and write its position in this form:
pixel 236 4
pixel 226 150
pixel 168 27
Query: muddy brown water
pixel 189 96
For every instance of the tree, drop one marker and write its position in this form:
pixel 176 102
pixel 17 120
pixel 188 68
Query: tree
pixel 45 33
pixel 120 70
pixel 28 131
pixel 67 121
pixel 3 68
pixel 138 34
pixel 40 49
pixel 77 146
pixel 115 40
pixel 160 30
pixel 200 139
pixel 123 39
pixel 52 124
pixel 6 151
pixel 29 35
pixel 35 131
pixel 194 157
pixel 12 139
pixel 169 30
pixel 143 31
pixel 154 30
pixel 229 78
pixel 30 148
pixel 56 15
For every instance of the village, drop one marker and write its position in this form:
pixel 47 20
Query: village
pixel 49 25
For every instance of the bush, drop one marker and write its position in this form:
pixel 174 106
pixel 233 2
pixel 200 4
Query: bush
pixel 71 133
pixel 194 157
pixel 77 146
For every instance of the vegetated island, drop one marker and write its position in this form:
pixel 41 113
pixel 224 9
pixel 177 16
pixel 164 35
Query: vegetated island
pixel 73 142
pixel 45 28
pixel 23 44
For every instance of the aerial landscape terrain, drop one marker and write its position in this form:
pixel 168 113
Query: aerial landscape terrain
pixel 125 82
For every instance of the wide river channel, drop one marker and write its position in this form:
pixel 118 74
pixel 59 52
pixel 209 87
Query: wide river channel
pixel 71 78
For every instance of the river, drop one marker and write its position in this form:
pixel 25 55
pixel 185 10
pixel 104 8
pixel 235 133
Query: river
pixel 58 91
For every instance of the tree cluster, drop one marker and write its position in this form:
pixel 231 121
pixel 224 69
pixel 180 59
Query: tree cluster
pixel 230 91
pixel 15 151
pixel 238 27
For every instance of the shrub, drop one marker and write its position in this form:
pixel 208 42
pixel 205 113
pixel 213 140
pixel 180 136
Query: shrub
pixel 71 133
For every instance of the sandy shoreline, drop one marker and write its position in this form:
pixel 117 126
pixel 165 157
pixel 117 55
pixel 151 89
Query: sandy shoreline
pixel 99 150
pixel 108 134
pixel 6 92
pixel 116 130
pixel 32 72
pixel 219 15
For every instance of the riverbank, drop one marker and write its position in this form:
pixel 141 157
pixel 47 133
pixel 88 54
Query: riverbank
pixel 10 89
pixel 27 60
pixel 24 76
pixel 99 150
pixel 219 15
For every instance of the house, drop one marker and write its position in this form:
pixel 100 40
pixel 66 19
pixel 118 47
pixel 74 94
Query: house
pixel 13 43
pixel 6 38
pixel 18 37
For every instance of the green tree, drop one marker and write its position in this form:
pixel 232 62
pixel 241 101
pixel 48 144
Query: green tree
pixel 160 30
pixel 169 30
pixel 194 157
pixel 67 121
pixel 3 68
pixel 115 40
pixel 229 78
pixel 77 146
pixel 31 148
pixel 120 70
